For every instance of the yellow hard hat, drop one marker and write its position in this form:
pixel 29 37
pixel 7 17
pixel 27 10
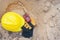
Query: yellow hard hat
pixel 12 21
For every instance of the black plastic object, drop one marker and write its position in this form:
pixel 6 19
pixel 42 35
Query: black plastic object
pixel 27 33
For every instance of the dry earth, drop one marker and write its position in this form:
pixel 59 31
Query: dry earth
pixel 46 14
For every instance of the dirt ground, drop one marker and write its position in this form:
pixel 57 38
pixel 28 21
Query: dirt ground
pixel 45 12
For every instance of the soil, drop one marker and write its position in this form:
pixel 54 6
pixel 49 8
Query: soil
pixel 45 12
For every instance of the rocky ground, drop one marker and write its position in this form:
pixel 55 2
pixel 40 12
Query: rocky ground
pixel 46 14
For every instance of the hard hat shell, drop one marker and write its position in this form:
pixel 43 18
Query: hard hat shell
pixel 12 21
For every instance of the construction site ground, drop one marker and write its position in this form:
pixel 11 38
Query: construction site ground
pixel 46 14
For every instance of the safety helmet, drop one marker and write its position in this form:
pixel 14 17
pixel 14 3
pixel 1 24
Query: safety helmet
pixel 12 21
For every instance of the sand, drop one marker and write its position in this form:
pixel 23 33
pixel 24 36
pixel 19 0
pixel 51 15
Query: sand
pixel 46 14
